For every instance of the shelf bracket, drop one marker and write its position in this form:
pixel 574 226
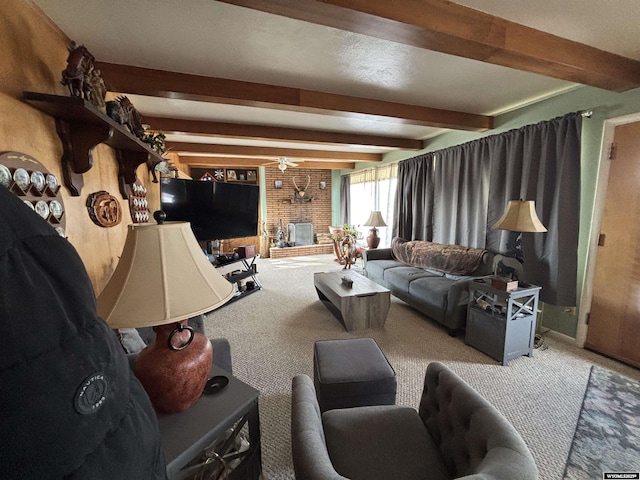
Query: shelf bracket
pixel 128 163
pixel 78 142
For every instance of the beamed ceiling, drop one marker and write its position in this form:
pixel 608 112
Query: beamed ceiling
pixel 334 83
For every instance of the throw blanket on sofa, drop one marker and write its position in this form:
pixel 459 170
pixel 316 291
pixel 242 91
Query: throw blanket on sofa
pixel 452 259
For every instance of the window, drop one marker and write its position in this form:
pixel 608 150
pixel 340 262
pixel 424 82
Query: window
pixel 373 189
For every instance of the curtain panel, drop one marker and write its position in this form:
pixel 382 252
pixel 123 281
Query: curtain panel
pixel 345 199
pixel 456 195
pixel 413 211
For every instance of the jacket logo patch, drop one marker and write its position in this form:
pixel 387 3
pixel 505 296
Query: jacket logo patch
pixel 92 394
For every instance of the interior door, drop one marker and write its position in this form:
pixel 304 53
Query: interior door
pixel 614 322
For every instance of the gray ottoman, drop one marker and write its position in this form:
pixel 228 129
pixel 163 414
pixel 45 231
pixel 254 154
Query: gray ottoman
pixel 352 373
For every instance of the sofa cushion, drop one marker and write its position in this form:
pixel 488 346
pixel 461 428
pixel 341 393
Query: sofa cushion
pixel 381 442
pixel 431 292
pixel 375 269
pixel 454 259
pixel 402 276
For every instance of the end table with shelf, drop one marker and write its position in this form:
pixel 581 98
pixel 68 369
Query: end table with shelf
pixel 501 323
pixel 186 435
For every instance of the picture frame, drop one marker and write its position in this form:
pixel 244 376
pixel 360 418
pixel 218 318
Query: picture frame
pixel 231 175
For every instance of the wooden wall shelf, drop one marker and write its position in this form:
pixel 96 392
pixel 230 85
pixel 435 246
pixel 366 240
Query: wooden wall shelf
pixel 81 126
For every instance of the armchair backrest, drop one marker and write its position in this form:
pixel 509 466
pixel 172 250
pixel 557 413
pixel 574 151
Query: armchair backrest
pixel 474 438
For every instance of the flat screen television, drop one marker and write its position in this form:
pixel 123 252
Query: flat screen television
pixel 216 210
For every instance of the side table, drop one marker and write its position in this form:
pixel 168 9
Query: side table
pixel 186 434
pixel 499 323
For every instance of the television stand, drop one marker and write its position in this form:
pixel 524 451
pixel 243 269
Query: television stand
pixel 249 270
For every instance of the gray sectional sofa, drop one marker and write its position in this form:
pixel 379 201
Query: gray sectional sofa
pixel 433 278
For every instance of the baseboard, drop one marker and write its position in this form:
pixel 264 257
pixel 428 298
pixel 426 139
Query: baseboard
pixel 560 336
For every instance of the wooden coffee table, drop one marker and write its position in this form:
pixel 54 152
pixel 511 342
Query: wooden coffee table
pixel 363 305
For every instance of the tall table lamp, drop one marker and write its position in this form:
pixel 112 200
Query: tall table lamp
pixel 520 216
pixel 374 220
pixel 162 279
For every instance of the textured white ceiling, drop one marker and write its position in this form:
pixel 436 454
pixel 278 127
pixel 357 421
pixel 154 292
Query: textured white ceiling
pixel 209 38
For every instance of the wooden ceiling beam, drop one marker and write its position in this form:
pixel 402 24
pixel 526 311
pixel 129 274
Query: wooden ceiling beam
pixel 270 153
pixel 161 83
pixel 202 161
pixel 447 27
pixel 282 134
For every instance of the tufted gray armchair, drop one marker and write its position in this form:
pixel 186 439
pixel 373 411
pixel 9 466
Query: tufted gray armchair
pixel 455 434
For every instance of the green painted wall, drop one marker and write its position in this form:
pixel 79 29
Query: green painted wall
pixel 605 105
pixel 335 198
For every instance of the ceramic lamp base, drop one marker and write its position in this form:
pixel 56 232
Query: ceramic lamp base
pixel 373 240
pixel 174 369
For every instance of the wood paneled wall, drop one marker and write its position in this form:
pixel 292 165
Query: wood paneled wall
pixel 33 52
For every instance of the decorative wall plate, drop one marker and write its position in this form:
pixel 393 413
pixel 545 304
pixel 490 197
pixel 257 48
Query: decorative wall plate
pixel 30 181
pixel 42 209
pixel 37 180
pixel 104 209
pixel 22 179
pixel 5 176
pixel 56 208
pixel 52 182
pixel 138 204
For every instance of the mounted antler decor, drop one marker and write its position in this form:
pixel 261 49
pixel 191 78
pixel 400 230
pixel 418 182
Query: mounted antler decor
pixel 301 191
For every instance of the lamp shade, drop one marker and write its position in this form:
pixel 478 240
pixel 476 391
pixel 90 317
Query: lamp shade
pixel 375 220
pixel 162 277
pixel 520 216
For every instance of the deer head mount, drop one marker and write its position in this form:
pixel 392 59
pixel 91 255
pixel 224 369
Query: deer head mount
pixel 301 191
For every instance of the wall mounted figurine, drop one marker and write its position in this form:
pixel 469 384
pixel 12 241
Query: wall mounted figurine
pixel 82 78
pixel 75 75
pixel 122 111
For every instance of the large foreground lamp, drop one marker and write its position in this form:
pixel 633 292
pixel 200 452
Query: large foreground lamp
pixel 163 278
pixel 375 220
pixel 520 216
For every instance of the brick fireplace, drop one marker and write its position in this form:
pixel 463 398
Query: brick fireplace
pixel 288 205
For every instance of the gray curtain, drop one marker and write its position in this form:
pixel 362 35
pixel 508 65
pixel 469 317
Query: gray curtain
pixel 471 184
pixel 460 192
pixel 345 199
pixel 413 211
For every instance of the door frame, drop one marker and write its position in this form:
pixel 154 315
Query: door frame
pixel 598 212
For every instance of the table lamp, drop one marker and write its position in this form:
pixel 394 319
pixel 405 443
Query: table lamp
pixel 374 220
pixel 520 216
pixel 162 279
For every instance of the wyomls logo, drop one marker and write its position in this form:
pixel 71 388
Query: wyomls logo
pixel 92 394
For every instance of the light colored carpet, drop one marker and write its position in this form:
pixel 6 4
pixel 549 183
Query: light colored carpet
pixel 272 334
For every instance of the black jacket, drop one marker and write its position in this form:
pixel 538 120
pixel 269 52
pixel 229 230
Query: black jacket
pixel 69 405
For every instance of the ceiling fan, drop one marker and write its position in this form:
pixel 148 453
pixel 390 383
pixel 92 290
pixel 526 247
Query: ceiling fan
pixel 283 163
